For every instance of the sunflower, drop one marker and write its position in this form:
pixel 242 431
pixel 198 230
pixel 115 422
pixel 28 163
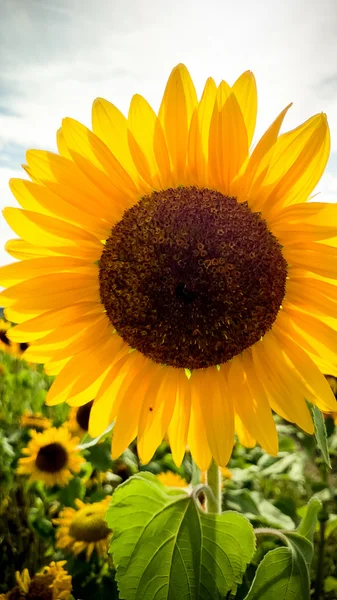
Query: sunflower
pixel 84 529
pixel 177 276
pixel 51 457
pixel 5 343
pixel 52 583
pixel 78 419
pixel 35 420
pixel 172 480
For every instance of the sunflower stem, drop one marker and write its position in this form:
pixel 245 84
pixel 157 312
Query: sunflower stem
pixel 214 481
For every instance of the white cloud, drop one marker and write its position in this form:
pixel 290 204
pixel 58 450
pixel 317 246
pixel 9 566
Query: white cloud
pixel 59 56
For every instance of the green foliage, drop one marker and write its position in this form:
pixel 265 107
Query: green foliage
pixel 165 547
pixel 282 574
pixel 321 434
pixel 266 491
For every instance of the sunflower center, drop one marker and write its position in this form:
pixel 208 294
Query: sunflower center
pixel 88 525
pixel 191 278
pixel 83 414
pixel 51 458
pixel 40 589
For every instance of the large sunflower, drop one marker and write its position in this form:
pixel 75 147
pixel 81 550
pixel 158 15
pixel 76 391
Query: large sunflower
pixel 176 276
pixel 84 529
pixel 52 457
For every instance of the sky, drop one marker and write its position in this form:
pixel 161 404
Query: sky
pixel 57 56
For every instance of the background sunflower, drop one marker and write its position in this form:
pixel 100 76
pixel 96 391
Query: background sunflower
pixel 84 529
pixel 52 457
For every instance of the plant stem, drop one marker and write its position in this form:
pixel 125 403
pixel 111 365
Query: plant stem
pixel 320 559
pixel 214 481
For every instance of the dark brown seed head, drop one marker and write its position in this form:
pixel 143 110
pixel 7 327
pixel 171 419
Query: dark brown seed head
pixel 191 278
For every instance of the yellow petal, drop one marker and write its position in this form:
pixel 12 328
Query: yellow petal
pixel 246 94
pixel 305 172
pixel 325 399
pixel 154 421
pixel 251 403
pixel 42 230
pixel 95 159
pixel 258 164
pixel 107 400
pixel 178 427
pixel 217 412
pixel 132 393
pixel 65 179
pixel 24 251
pixel 19 271
pixel 245 437
pixel 51 292
pixel 147 144
pixel 228 142
pixel 175 115
pixel 315 257
pixel 39 198
pixel 110 125
pixel 286 391
pixel 43 324
pixel 61 145
pixel 199 134
pixel 197 437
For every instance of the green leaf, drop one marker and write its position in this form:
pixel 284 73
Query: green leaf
pixel 302 545
pixel 100 456
pixel 320 434
pixel 330 584
pixel 165 547
pixel 330 526
pixel 308 524
pixel 93 441
pixel 74 489
pixel 283 575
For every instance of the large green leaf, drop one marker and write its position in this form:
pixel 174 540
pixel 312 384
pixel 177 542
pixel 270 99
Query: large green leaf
pixel 165 547
pixel 283 575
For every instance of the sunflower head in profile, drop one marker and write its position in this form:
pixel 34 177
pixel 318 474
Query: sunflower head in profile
pixel 84 529
pixel 51 456
pixel 78 419
pixel 51 583
pixel 177 274
pixel 34 420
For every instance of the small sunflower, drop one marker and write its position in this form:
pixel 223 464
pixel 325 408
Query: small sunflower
pixel 51 583
pixel 176 274
pixel 6 345
pixel 172 480
pixel 97 478
pixel 84 529
pixel 51 457
pixel 78 419
pixel 35 420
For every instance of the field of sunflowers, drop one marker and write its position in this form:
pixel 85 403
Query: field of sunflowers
pixel 57 484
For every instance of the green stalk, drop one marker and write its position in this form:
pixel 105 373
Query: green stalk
pixel 214 482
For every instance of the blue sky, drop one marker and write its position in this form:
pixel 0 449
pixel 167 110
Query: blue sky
pixel 56 57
